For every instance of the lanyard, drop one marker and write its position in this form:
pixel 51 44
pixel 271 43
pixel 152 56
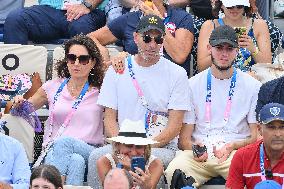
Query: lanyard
pixel 261 157
pixel 261 162
pixel 70 114
pixel 135 83
pixel 141 95
pixel 166 19
pixel 209 95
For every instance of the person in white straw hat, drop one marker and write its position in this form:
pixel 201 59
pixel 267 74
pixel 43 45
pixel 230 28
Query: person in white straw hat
pixel 253 35
pixel 132 142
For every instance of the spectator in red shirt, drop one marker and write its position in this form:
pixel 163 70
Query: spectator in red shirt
pixel 254 164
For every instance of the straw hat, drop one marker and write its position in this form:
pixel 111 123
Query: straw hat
pixel 132 132
pixel 231 3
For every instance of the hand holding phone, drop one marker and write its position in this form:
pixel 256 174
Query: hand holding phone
pixel 137 162
pixel 198 150
pixel 240 30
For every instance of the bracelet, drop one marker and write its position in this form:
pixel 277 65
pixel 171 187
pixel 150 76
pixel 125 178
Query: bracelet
pixel 255 52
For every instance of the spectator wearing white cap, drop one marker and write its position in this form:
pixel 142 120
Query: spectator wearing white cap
pixel 132 142
pixel 261 164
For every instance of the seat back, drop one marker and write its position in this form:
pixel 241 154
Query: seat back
pixel 21 130
pixel 23 59
pixel 17 59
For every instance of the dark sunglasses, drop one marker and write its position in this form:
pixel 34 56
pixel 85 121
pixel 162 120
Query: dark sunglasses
pixel 237 6
pixel 83 59
pixel 158 39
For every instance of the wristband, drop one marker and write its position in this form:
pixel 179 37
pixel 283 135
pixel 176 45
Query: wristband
pixel 255 52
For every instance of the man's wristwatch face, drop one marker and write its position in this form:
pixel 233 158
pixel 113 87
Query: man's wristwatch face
pixel 87 4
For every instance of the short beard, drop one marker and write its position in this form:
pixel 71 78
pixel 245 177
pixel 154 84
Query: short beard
pixel 219 67
pixel 142 54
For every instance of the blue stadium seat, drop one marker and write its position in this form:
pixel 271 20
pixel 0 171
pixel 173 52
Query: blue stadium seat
pixel 1 32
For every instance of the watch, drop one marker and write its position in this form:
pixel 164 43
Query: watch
pixel 87 4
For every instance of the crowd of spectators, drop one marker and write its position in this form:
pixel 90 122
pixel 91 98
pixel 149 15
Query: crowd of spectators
pixel 143 102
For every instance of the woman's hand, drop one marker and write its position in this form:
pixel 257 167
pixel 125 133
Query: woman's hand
pixel 141 178
pixel 124 160
pixel 117 62
pixel 150 10
pixel 245 41
pixel 17 101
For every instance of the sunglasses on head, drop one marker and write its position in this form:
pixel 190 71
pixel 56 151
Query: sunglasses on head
pixel 237 6
pixel 158 39
pixel 83 59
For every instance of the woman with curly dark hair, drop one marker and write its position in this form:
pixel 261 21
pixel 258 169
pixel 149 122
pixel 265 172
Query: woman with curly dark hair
pixel 74 127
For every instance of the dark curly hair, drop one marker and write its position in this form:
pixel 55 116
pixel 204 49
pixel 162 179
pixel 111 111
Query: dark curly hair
pixel 96 75
pixel 49 173
pixel 218 6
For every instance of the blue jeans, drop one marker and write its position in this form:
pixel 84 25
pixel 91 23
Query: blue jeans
pixel 70 157
pixel 41 23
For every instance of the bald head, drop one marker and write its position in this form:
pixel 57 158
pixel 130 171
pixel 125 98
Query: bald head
pixel 118 179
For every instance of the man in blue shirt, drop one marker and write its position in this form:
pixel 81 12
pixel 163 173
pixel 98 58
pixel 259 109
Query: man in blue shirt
pixel 14 167
pixel 178 40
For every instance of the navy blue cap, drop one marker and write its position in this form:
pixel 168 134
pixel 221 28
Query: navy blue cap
pixel 271 112
pixel 271 184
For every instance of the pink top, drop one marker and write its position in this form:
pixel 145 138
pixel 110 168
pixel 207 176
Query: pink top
pixel 86 123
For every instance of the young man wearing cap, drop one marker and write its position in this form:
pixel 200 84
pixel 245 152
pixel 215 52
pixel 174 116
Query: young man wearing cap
pixel 263 160
pixel 151 88
pixel 223 101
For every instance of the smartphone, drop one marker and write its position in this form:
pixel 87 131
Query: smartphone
pixel 137 162
pixel 240 30
pixel 198 150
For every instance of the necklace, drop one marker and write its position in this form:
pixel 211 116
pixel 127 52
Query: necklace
pixel 73 89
